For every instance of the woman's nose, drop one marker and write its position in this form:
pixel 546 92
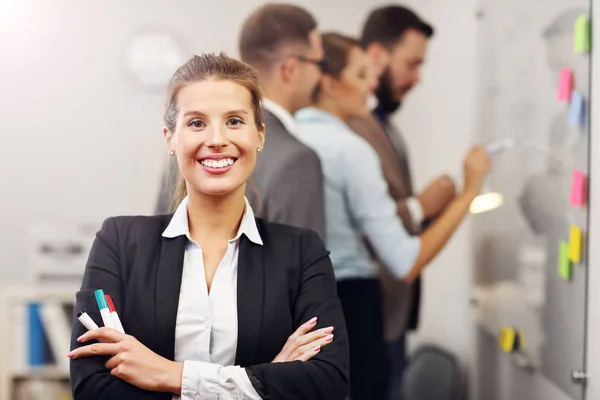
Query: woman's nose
pixel 217 137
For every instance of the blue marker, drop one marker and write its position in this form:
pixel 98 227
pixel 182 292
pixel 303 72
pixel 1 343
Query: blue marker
pixel 104 311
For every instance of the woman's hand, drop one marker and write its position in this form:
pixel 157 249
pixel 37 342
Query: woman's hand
pixel 302 346
pixel 132 361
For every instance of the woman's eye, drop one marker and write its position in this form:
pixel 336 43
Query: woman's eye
pixel 197 123
pixel 234 122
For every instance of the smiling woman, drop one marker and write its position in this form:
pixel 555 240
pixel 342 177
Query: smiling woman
pixel 215 302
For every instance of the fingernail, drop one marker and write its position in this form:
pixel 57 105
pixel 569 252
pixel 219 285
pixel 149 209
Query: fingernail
pixel 80 338
pixel 329 338
pixel 313 320
pixel 328 329
pixel 70 354
pixel 316 349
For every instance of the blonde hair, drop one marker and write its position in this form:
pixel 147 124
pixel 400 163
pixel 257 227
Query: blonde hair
pixel 203 68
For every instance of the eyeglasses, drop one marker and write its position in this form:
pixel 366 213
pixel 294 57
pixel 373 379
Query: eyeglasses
pixel 321 64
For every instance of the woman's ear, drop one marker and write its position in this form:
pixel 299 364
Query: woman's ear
pixel 261 136
pixel 169 141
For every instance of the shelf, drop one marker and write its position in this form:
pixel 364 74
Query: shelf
pixel 46 372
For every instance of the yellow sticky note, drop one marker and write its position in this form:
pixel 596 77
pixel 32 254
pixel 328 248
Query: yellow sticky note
pixel 510 339
pixel 575 244
pixel 506 339
pixel 564 265
pixel 582 34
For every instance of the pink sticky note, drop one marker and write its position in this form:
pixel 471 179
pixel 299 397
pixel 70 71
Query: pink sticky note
pixel 578 189
pixel 565 85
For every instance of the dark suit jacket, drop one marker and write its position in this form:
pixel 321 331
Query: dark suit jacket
pixel 281 285
pixel 288 179
pixel 401 302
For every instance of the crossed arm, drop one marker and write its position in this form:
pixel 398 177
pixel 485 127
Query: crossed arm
pixel 124 368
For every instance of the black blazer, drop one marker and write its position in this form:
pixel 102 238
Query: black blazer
pixel 281 285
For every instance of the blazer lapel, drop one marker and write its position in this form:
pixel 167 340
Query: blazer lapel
pixel 168 285
pixel 250 296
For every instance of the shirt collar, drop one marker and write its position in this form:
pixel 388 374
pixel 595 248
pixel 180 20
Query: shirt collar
pixel 283 115
pixel 179 224
pixel 310 114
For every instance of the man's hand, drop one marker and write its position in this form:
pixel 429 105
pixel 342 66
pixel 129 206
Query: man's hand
pixel 436 196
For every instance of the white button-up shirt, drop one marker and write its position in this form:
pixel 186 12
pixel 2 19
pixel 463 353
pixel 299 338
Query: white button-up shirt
pixel 206 329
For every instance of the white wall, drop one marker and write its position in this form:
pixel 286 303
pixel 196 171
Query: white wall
pixel 82 142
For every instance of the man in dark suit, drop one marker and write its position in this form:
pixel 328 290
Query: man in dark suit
pixel 395 39
pixel 282 43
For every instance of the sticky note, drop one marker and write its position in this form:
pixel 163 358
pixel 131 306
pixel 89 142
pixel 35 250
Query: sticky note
pixel 576 110
pixel 578 189
pixel 564 265
pixel 565 85
pixel 582 34
pixel 575 244
pixel 508 339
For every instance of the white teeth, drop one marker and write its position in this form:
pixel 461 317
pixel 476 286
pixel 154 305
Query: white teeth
pixel 217 164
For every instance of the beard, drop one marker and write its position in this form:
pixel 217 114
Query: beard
pixel 388 103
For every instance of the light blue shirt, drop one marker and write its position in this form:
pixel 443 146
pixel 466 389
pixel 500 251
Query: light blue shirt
pixel 357 202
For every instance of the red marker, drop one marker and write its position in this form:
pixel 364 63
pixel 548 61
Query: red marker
pixel 113 313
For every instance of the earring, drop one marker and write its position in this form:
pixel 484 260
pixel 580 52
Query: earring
pixel 258 149
pixel 172 152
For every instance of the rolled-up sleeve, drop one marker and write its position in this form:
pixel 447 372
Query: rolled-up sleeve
pixel 374 210
pixel 202 380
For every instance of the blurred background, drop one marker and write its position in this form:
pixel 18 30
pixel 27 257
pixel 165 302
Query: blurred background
pixel 81 110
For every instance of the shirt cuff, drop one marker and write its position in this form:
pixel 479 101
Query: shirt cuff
pixel 206 381
pixel 416 211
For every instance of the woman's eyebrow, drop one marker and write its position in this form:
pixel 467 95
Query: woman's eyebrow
pixel 196 113
pixel 240 111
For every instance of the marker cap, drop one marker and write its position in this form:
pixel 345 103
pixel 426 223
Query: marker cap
pixel 100 299
pixel 111 305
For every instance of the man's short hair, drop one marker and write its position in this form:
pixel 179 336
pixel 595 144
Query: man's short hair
pixel 387 25
pixel 270 28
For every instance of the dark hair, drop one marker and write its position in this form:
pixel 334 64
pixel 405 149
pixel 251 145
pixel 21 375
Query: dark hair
pixel 270 28
pixel 387 25
pixel 203 68
pixel 336 49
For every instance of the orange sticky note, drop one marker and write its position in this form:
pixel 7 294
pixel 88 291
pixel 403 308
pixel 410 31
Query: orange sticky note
pixel 578 189
pixel 575 244
pixel 565 85
pixel 564 265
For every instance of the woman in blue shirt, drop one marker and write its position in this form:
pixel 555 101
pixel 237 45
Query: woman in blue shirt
pixel 359 207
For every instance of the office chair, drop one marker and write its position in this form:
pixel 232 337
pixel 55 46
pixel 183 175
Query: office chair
pixel 434 374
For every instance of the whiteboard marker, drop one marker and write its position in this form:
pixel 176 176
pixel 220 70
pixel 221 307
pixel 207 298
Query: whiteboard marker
pixel 86 320
pixel 113 313
pixel 499 146
pixel 104 311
